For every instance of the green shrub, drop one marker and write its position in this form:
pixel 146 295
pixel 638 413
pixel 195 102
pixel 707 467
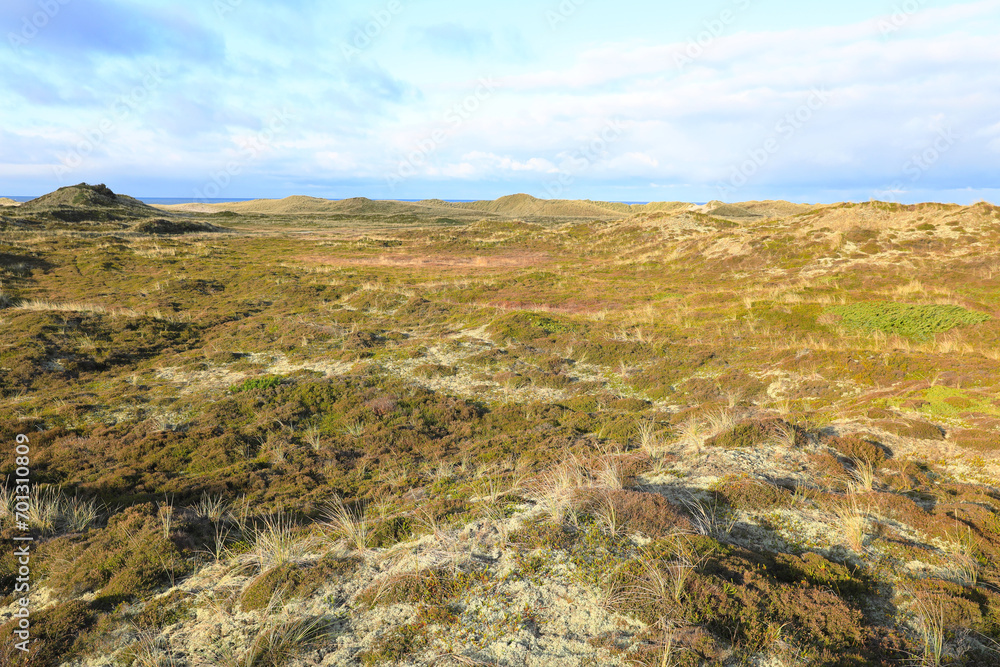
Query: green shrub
pixel 525 326
pixel 54 633
pixel 912 428
pixel 919 322
pixel 258 383
pixel 128 559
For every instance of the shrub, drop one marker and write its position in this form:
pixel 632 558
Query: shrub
pixel 913 428
pixel 294 580
pixel 754 432
pixel 859 448
pixel 648 513
pixel 125 560
pixel 525 326
pixel 54 633
pixel 395 645
pixel 980 440
pixel 750 494
pixel 915 321
pixel 259 383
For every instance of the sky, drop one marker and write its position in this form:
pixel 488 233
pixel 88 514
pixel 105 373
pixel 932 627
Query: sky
pixel 737 100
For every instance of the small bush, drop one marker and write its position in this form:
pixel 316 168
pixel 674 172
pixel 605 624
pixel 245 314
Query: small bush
pixel 54 633
pixel 750 494
pixel 395 645
pixel 754 432
pixel 648 513
pixel 295 580
pixel 259 383
pixel 919 322
pixel 860 448
pixel 913 428
pixel 527 326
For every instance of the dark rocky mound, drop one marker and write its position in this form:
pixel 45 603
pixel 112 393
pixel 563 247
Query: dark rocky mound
pixel 86 203
pixel 163 226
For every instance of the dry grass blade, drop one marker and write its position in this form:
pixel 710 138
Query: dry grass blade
pixel 610 473
pixel 277 540
pixel 607 515
pixel 863 476
pixel 930 623
pixel 719 421
pixel 150 650
pixel 709 519
pixel 853 518
pixel 350 524
pixel 213 508
pixel 693 435
pixel 556 490
pixel 283 641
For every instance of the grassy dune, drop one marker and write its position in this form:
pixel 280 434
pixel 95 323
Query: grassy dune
pixel 671 435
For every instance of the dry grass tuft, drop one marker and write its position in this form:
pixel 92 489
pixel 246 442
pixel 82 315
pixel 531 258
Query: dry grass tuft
pixel 556 491
pixel 277 540
pixel 853 518
pixel 350 524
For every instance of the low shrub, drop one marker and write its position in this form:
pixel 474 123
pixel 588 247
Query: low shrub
pixel 294 580
pixel 648 513
pixel 919 322
pixel 860 448
pixel 755 432
pixel 912 428
pixel 750 494
pixel 258 383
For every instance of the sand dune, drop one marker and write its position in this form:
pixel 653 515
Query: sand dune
pixel 514 206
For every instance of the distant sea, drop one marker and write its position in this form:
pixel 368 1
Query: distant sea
pixel 163 201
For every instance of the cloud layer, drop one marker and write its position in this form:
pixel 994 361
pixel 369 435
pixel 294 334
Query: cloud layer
pixel 238 99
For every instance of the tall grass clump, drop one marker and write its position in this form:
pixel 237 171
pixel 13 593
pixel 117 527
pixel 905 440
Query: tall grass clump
pixel 351 524
pixel 277 540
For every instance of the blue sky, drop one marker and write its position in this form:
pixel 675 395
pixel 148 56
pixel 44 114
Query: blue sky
pixel 630 100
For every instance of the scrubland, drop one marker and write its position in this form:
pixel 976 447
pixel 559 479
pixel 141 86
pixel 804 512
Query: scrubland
pixel 672 438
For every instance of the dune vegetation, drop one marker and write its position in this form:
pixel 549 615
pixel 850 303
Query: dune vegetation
pixel 503 433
